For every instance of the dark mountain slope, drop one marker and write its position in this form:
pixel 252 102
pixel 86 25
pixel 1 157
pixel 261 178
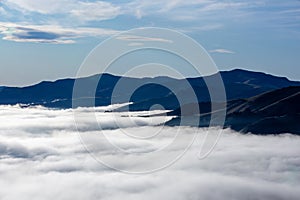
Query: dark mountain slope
pixel 269 113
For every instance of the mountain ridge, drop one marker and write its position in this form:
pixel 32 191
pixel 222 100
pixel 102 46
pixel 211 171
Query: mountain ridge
pixel 58 94
pixel 115 75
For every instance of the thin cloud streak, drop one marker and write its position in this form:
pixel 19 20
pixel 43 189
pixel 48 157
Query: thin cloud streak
pixel 223 51
pixel 137 38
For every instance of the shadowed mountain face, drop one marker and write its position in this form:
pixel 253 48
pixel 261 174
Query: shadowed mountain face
pixel 269 113
pixel 58 94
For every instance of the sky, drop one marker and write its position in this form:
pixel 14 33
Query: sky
pixel 48 40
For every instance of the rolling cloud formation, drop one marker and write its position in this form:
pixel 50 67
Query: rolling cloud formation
pixel 42 157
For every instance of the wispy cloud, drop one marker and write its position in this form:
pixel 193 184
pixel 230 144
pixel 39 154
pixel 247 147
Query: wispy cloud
pixel 49 33
pixel 136 38
pixel 207 27
pixel 67 20
pixel 103 10
pixel 136 44
pixel 187 10
pixel 218 6
pixel 36 6
pixel 224 51
pixel 95 11
pixel 82 10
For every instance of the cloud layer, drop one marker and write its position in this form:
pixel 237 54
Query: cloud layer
pixel 41 157
pixel 48 33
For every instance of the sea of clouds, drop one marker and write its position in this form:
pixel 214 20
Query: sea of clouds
pixel 42 156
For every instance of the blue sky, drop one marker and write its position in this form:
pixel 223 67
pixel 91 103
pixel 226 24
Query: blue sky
pixel 47 40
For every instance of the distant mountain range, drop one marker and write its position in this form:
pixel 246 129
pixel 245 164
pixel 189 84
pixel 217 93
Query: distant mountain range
pixel 256 102
pixel 58 94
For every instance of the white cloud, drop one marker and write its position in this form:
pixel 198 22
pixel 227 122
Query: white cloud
pixel 225 51
pixel 95 11
pixel 143 7
pixel 208 27
pixel 210 14
pixel 41 157
pixel 82 10
pixel 219 6
pixel 43 7
pixel 137 38
pixel 193 11
pixel 102 10
pixel 57 13
pixel 49 33
pixel 136 44
pixel 188 10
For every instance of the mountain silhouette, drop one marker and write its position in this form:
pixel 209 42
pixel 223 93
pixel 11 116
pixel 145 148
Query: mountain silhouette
pixel 58 94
